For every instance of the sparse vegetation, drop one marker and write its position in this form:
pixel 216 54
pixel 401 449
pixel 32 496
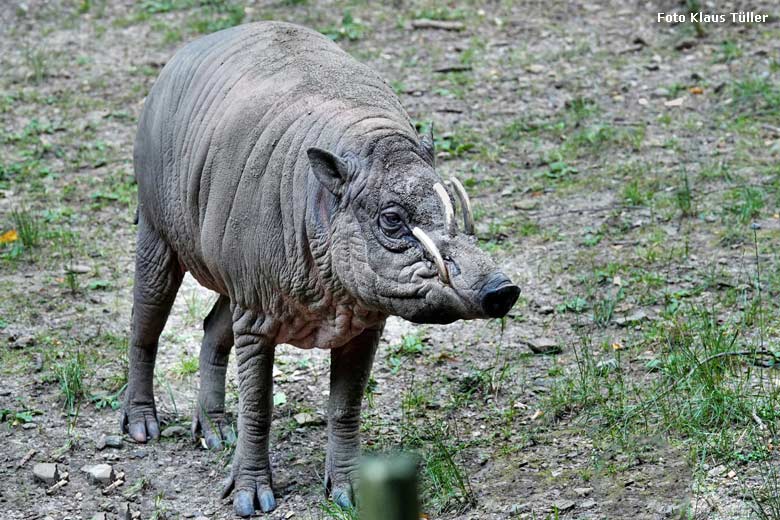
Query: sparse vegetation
pixel 629 183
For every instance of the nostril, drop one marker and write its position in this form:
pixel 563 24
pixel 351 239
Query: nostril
pixel 497 302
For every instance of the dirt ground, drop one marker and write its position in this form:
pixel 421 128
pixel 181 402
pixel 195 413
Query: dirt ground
pixel 624 173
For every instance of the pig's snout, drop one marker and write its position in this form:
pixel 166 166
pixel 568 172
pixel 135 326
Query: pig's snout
pixel 498 295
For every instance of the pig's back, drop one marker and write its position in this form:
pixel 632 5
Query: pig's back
pixel 220 154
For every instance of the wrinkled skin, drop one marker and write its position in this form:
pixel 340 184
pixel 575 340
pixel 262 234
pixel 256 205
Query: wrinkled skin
pixel 286 176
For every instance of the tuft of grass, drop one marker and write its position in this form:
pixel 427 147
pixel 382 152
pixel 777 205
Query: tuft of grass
pixel 187 366
pixel 745 203
pixel 70 376
pixel 350 29
pixel 684 196
pixel 37 61
pixel 411 345
pixel 28 227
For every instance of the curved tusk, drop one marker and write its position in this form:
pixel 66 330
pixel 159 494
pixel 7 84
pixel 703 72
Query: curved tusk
pixel 429 246
pixel 465 204
pixel 449 213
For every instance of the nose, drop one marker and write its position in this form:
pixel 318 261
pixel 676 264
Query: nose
pixel 498 295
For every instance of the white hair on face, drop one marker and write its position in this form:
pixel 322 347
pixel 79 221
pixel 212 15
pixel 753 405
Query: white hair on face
pixel 429 246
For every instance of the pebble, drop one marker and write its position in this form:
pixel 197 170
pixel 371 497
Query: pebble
pixel 564 505
pixel 78 269
pixel 583 491
pixel 304 418
pixel 174 431
pixel 542 345
pixel 138 454
pixel 99 473
pixel 46 472
pixel 98 516
pixel 23 341
pixel 109 441
pixel 29 425
pixel 587 504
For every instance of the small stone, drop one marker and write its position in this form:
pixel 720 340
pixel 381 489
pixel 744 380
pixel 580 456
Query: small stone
pixel 660 92
pixel 29 426
pixel 46 472
pixel 535 68
pixel 138 454
pixel 686 43
pixel 98 516
pixel 526 205
pixel 632 319
pixel 23 341
pixel 109 441
pixel 99 473
pixel 304 418
pixel 546 309
pixel 174 431
pixel 583 491
pixel 543 345
pixel 78 269
pixel 587 504
pixel 564 505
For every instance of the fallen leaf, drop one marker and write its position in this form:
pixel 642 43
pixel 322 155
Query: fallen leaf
pixel 617 346
pixel 674 102
pixel 9 236
pixel 696 91
pixel 537 414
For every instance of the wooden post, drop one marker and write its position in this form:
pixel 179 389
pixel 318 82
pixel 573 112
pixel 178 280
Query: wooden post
pixel 388 489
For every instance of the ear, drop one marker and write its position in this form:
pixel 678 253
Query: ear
pixel 332 171
pixel 427 146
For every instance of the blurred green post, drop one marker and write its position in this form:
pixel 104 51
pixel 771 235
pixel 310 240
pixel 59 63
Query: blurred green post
pixel 388 489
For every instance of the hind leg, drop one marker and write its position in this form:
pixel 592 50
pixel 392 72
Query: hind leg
pixel 209 416
pixel 158 276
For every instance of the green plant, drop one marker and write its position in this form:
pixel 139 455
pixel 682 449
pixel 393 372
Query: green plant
pixel 684 196
pixel 350 29
pixel 28 227
pixel 70 375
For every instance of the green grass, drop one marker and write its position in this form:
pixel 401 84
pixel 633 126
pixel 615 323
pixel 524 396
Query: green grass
pixel 349 29
pixel 70 377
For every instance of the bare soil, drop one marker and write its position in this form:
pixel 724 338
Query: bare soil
pixel 555 113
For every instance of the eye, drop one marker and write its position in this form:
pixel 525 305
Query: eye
pixel 391 223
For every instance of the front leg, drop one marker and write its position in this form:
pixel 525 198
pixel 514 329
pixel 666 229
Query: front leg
pixel 350 367
pixel 250 472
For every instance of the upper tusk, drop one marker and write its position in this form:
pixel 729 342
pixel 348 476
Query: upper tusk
pixel 429 246
pixel 465 204
pixel 449 213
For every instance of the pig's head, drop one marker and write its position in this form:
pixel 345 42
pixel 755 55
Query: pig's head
pixel 395 242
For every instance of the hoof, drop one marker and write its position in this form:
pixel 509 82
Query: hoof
pixel 244 503
pixel 216 433
pixel 341 499
pixel 266 499
pixel 142 427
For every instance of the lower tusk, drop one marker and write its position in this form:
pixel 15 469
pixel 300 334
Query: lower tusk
pixel 429 246
pixel 465 204
pixel 449 213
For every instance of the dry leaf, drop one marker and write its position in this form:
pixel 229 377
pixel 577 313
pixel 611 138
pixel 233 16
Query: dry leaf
pixel 696 91
pixel 617 346
pixel 536 415
pixel 9 236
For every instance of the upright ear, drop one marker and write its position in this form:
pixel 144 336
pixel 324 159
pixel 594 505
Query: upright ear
pixel 332 171
pixel 427 146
